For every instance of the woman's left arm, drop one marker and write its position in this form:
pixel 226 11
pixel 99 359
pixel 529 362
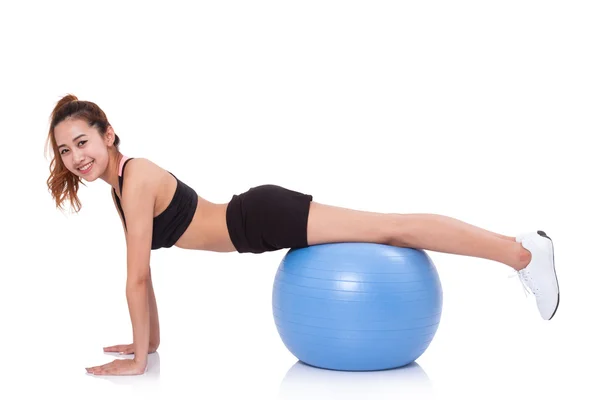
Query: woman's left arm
pixel 138 207
pixel 139 210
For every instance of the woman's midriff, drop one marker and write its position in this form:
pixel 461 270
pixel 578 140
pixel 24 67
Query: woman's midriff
pixel 208 229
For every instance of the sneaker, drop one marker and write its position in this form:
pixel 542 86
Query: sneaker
pixel 540 275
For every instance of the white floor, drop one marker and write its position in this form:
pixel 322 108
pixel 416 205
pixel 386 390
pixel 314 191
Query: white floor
pixel 218 340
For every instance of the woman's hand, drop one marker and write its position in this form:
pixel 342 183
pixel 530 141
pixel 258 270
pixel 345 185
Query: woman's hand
pixel 128 348
pixel 119 367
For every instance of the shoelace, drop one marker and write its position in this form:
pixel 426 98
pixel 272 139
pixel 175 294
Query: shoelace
pixel 524 279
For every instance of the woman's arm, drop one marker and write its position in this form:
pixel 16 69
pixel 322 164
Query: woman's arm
pixel 137 300
pixel 138 207
pixel 154 324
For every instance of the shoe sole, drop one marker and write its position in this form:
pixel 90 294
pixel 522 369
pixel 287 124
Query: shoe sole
pixel 543 234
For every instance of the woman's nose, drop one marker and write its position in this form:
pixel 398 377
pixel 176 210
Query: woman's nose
pixel 77 156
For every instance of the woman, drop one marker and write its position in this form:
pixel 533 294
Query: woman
pixel 158 210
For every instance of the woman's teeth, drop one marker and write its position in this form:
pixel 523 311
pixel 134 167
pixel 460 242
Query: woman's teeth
pixel 86 166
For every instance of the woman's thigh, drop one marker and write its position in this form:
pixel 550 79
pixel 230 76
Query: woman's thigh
pixel 332 224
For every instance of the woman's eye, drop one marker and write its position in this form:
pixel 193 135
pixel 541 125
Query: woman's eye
pixel 80 142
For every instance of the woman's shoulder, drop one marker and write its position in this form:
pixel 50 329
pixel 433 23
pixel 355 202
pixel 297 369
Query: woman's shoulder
pixel 143 171
pixel 140 164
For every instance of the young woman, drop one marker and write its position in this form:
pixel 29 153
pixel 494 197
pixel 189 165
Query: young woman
pixel 158 210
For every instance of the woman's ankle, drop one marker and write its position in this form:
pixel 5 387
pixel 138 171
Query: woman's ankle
pixel 523 258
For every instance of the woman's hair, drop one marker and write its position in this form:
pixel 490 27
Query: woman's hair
pixel 62 183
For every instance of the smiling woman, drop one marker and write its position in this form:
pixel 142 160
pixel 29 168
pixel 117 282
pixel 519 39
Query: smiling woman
pixel 157 210
pixel 89 123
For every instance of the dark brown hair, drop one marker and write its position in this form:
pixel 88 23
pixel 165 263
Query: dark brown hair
pixel 62 183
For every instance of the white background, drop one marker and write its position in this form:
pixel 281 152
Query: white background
pixel 483 111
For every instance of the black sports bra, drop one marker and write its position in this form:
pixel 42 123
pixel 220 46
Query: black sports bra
pixel 169 225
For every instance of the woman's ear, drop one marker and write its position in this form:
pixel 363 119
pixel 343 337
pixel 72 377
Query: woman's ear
pixel 109 137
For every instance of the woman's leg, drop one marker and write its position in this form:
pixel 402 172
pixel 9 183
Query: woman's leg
pixel 327 224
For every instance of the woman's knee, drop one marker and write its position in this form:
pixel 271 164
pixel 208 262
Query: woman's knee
pixel 397 230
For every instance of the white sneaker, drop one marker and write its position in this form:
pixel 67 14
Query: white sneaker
pixel 540 275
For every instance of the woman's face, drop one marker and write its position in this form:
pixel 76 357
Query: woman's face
pixel 79 145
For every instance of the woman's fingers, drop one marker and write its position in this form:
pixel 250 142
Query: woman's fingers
pixel 120 348
pixel 114 348
pixel 99 368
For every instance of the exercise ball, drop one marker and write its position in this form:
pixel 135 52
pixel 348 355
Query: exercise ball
pixel 356 306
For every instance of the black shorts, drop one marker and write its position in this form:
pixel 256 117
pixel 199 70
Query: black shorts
pixel 268 218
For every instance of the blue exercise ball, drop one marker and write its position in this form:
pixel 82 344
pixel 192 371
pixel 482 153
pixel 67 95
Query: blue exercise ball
pixel 356 306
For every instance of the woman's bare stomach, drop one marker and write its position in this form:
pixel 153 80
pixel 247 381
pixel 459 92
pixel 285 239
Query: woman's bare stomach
pixel 208 229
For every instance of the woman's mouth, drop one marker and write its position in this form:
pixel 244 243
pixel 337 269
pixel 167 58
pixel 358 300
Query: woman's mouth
pixel 86 168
